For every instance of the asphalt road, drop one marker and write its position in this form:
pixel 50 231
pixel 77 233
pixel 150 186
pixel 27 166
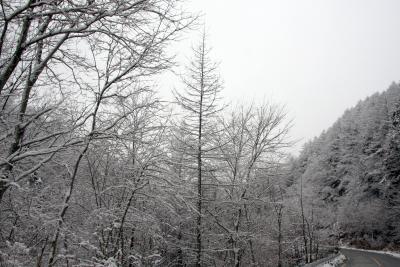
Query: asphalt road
pixel 357 258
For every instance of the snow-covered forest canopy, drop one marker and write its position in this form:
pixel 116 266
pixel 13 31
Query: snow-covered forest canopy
pixel 351 172
pixel 96 169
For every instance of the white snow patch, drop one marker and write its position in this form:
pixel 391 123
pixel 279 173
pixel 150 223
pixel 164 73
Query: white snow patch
pixel 391 253
pixel 394 254
pixel 116 224
pixel 110 262
pixel 335 262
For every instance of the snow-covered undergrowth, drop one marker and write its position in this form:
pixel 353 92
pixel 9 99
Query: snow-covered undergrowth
pixel 392 253
pixel 335 262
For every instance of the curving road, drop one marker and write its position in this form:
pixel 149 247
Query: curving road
pixel 359 258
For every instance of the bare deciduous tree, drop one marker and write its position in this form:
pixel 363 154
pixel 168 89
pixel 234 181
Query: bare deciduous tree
pixel 53 50
pixel 250 144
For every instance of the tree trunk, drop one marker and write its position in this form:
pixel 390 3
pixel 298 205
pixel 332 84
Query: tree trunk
pixel 303 221
pixel 199 193
pixel 280 242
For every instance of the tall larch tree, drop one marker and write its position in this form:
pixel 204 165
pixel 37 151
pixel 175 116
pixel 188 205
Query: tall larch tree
pixel 199 102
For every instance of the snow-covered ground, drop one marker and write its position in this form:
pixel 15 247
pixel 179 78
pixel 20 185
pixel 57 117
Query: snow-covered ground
pixel 394 254
pixel 335 262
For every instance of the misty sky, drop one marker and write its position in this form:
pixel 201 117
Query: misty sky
pixel 317 57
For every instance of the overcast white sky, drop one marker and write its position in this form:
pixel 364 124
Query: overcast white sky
pixel 317 57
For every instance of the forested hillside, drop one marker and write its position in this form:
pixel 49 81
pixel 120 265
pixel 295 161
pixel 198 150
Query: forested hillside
pixel 351 173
